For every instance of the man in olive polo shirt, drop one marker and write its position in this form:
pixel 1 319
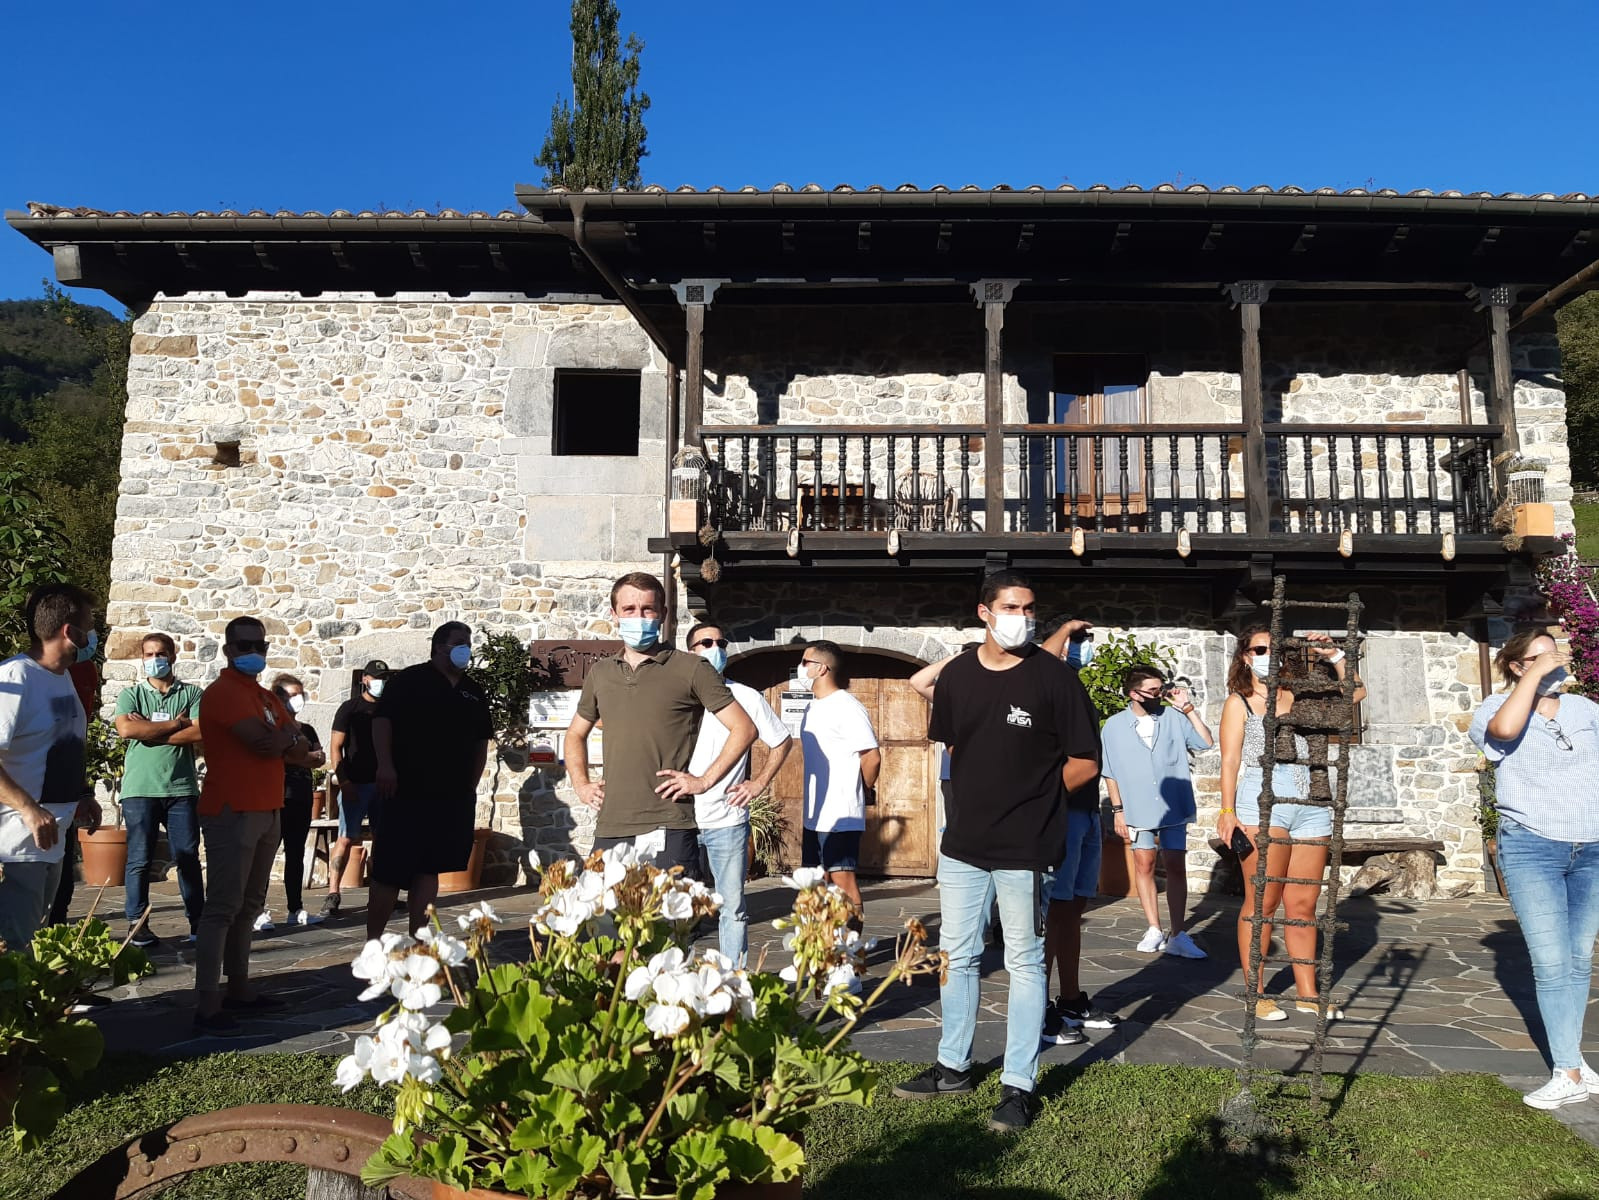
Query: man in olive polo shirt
pixel 652 699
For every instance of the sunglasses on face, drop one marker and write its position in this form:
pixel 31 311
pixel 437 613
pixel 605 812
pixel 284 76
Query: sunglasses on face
pixel 707 643
pixel 1258 650
pixel 259 647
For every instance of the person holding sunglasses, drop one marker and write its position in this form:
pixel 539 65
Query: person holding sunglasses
pixel 1243 745
pixel 1544 747
pixel 722 811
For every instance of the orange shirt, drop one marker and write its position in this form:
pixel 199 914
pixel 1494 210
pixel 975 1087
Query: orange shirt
pixel 234 775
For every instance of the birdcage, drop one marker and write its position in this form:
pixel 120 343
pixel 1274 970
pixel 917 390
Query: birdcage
pixel 685 508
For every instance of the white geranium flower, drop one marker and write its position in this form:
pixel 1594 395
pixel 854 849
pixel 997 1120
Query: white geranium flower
pixel 355 1067
pixel 638 982
pixel 718 1003
pixel 666 1020
pixel 622 855
pixel 717 959
pixel 424 1068
pixel 482 912
pixel 415 989
pixel 378 966
pixel 841 976
pixel 790 973
pixel 448 950
pixel 805 877
pixel 389 1062
pixel 677 906
pixel 670 959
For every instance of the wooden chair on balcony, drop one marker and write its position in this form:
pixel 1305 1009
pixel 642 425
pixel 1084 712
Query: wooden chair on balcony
pixel 922 500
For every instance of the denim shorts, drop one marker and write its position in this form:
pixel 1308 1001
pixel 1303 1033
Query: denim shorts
pixel 1300 820
pixel 1169 837
pixel 831 849
pixel 356 804
pixel 1078 877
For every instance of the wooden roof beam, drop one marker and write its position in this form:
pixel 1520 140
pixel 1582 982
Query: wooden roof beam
pixel 1119 240
pixel 1307 235
pixel 863 236
pixel 946 232
pixel 1396 241
pixel 789 246
pixel 1213 238
pixel 1579 242
pixel 1486 243
pixel 1024 239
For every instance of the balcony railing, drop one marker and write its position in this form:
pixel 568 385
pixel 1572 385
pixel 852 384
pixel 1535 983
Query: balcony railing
pixel 1136 479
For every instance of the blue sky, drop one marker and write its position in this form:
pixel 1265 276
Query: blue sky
pixel 409 104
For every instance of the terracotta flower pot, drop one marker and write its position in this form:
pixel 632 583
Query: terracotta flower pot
pixel 469 879
pixel 354 868
pixel 105 856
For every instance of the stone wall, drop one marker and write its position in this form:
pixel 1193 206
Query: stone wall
pixel 357 471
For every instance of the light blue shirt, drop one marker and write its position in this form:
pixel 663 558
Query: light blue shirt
pixel 1553 792
pixel 1153 781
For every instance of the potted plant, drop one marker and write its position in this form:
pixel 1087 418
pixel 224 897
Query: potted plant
pixel 506 671
pixel 766 835
pixel 613 1062
pixel 1103 679
pixel 40 1038
pixel 105 850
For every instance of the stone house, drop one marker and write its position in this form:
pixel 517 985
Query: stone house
pixel 357 425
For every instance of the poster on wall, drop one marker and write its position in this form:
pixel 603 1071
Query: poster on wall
pixel 791 709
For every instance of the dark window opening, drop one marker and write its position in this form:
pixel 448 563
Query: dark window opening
pixel 596 412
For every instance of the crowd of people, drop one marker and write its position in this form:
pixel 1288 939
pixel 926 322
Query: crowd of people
pixel 1025 766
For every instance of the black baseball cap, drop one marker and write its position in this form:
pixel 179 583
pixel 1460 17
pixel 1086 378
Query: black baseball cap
pixel 377 668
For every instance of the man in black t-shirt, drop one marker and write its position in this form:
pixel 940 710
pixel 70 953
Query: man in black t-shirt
pixel 431 733
pixel 353 765
pixel 1021 734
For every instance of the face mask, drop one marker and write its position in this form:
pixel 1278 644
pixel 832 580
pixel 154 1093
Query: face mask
pixel 717 657
pixel 296 704
pixel 460 658
pixel 250 664
pixel 86 651
pixel 157 668
pixel 640 633
pixel 1552 682
pixel 1012 630
pixel 1080 652
pixel 1260 664
pixel 802 679
pixel 375 688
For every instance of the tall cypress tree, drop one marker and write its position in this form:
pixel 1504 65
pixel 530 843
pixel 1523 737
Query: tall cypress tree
pixel 598 139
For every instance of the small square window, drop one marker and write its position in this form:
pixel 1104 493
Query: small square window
pixel 596 412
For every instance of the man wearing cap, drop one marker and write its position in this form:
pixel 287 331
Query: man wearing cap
pixel 353 763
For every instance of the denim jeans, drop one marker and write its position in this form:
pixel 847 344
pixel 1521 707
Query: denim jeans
pixel 729 853
pixel 144 816
pixel 964 895
pixel 1554 888
pixel 25 893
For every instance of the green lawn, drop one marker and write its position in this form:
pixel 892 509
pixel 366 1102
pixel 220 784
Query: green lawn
pixel 1134 1132
pixel 1586 519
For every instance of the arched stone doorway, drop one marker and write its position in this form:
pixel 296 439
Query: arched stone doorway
pixel 902 825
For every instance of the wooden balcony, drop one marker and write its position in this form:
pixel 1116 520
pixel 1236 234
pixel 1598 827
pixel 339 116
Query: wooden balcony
pixel 1153 499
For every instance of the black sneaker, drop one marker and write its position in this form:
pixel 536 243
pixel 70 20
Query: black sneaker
pixel 144 940
pixel 1058 1030
pixel 1014 1112
pixel 937 1080
pixel 401 907
pixel 330 906
pixel 1081 1011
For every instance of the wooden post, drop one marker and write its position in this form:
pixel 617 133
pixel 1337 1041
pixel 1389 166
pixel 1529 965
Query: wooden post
pixel 1257 501
pixel 1499 300
pixel 694 369
pixel 993 295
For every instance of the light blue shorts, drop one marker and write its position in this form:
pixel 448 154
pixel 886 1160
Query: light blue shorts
pixel 1169 837
pixel 1300 820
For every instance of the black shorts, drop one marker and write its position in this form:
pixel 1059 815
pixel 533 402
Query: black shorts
pixel 682 850
pixel 831 849
pixel 410 839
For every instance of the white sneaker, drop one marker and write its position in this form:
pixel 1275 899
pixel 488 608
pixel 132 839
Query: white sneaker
pixel 264 921
pixel 1180 945
pixel 1153 942
pixel 1561 1090
pixel 306 918
pixel 1590 1078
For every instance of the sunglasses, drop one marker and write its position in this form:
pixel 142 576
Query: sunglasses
pixel 1561 740
pixel 1258 650
pixel 707 643
pixel 258 647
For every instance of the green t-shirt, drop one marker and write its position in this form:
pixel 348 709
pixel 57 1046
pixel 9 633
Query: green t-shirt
pixel 159 770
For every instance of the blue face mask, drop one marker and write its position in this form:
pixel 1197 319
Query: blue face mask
pixel 250 664
pixel 86 651
pixel 717 657
pixel 157 668
pixel 1080 652
pixel 460 657
pixel 640 633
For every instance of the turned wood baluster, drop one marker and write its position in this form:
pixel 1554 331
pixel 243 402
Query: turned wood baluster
pixel 1358 457
pixel 1123 490
pixel 1432 483
pixel 1385 506
pixel 1409 483
pixel 1284 484
pixel 966 483
pixel 1099 483
pixel 1174 469
pixel 1311 522
pixel 1201 490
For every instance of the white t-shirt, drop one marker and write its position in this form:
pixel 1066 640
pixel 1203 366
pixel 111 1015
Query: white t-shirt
pixel 711 809
pixel 42 732
pixel 834 735
pixel 1145 725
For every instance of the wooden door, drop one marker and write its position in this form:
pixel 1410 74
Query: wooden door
pixel 901 826
pixel 1093 392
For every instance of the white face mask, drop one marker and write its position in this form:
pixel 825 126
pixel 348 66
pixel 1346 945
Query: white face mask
pixel 296 704
pixel 375 688
pixel 1012 630
pixel 1260 664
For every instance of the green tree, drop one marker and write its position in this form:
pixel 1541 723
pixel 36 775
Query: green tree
pixel 1579 353
pixel 598 139
pixel 31 541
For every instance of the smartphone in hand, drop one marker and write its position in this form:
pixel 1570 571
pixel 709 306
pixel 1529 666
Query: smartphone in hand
pixel 1241 844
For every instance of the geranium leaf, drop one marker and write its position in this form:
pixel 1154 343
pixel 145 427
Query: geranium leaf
pixel 528 1174
pixel 77 1045
pixel 785 1154
pixel 629 1171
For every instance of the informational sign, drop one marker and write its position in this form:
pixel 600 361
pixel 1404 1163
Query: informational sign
pixel 791 710
pixel 566 664
pixel 550 709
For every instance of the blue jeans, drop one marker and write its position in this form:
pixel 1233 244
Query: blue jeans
pixel 144 816
pixel 729 853
pixel 1554 888
pixel 964 895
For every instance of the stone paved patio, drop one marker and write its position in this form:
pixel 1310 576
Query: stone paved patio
pixel 1440 986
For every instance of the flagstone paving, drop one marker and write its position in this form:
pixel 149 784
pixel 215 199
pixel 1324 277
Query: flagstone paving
pixel 1426 987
